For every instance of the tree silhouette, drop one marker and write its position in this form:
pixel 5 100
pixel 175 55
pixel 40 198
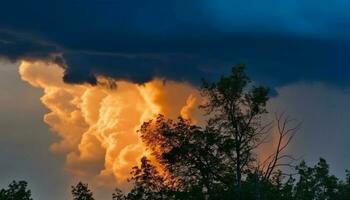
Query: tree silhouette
pixel 149 184
pixel 315 182
pixel 81 192
pixel 344 187
pixel 188 155
pixel 118 195
pixel 211 162
pixel 235 107
pixel 16 191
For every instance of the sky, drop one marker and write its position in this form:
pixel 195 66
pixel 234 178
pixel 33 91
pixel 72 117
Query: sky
pixel 78 63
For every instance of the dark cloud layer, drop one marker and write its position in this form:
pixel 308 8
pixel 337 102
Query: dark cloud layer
pixel 16 45
pixel 181 40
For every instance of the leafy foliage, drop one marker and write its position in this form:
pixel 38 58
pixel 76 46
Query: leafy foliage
pixel 309 183
pixel 16 191
pixel 82 192
pixel 235 108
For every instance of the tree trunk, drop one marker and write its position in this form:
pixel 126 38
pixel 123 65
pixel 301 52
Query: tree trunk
pixel 238 174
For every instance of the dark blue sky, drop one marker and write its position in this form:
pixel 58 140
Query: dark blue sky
pixel 280 41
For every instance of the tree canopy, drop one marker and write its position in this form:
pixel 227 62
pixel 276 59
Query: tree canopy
pixel 82 192
pixel 17 190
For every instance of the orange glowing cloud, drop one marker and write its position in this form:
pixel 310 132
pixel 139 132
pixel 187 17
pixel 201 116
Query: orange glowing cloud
pixel 97 125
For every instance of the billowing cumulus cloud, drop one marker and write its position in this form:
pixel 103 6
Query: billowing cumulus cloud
pixel 97 125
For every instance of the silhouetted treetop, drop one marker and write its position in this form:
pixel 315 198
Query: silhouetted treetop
pixel 16 191
pixel 81 191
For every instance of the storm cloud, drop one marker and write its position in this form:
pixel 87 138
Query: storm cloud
pixel 181 40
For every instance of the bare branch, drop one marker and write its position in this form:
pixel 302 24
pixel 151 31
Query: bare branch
pixel 286 130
